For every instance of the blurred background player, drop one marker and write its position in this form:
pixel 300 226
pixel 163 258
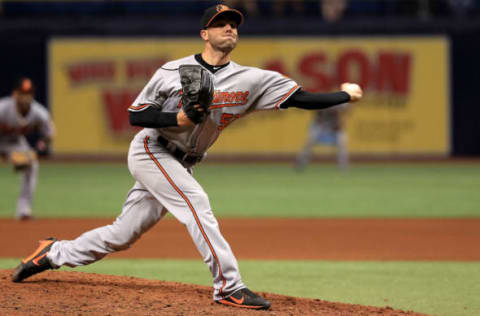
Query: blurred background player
pixel 21 115
pixel 326 129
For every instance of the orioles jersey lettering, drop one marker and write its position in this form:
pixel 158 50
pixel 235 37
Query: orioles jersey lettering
pixel 238 90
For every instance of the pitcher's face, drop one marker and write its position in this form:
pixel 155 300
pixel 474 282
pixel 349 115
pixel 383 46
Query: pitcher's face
pixel 222 34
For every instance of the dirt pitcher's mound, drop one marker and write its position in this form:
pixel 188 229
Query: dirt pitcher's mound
pixel 77 293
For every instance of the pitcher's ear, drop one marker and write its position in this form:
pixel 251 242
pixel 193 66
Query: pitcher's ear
pixel 204 34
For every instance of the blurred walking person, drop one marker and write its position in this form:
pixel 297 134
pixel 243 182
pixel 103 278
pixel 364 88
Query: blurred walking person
pixel 326 129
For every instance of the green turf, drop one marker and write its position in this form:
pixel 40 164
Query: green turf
pixel 440 288
pixel 263 190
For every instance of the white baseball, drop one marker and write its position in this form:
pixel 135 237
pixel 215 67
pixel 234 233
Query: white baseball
pixel 353 90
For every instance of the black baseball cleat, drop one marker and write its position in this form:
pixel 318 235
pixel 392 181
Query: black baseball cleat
pixel 245 298
pixel 36 263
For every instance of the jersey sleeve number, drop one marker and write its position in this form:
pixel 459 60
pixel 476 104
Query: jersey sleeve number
pixel 227 119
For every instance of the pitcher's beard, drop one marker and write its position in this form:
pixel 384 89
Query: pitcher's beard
pixel 226 47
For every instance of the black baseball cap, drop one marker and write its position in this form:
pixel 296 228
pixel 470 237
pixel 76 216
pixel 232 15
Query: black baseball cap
pixel 215 11
pixel 24 85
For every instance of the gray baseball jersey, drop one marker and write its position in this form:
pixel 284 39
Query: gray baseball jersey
pixel 239 90
pixel 165 183
pixel 13 127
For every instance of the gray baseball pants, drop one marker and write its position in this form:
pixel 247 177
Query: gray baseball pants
pixel 27 190
pixel 162 183
pixel 29 176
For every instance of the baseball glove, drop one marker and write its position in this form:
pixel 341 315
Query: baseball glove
pixel 198 91
pixel 22 159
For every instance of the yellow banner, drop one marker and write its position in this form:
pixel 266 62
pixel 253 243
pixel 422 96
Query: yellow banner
pixel 405 80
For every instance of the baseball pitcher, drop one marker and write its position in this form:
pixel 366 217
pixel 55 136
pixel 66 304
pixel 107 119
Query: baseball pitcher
pixel 184 108
pixel 21 115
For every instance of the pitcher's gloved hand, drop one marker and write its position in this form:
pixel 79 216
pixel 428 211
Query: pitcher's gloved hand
pixel 197 85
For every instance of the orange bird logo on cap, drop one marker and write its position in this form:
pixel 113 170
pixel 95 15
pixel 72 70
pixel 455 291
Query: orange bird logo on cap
pixel 221 7
pixel 26 85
